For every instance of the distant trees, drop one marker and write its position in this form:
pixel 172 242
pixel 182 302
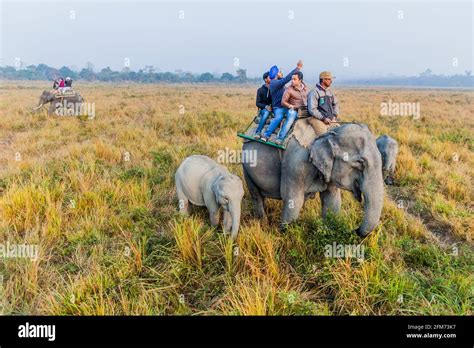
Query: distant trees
pixel 65 71
pixel 227 77
pixel 87 75
pixel 147 75
pixel 427 72
pixel 424 79
pixel 206 77
pixel 150 75
pixel 241 75
pixel 149 69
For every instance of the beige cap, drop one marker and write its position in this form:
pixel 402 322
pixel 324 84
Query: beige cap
pixel 326 75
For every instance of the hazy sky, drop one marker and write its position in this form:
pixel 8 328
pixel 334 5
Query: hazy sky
pixel 371 38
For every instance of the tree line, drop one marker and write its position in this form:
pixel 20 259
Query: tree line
pixel 424 79
pixel 146 75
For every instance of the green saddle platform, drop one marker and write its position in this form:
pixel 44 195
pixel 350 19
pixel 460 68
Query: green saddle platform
pixel 249 132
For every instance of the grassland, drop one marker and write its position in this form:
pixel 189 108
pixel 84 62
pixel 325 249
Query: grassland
pixel 97 197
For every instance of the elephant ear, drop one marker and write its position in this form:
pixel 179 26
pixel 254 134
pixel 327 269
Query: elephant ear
pixel 321 154
pixel 215 186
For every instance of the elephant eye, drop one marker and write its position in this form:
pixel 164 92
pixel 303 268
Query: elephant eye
pixel 360 163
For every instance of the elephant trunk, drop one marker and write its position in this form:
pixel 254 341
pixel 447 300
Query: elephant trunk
pixel 372 191
pixel 235 211
pixel 45 98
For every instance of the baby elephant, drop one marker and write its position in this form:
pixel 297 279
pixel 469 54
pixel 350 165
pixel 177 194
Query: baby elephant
pixel 202 181
pixel 388 148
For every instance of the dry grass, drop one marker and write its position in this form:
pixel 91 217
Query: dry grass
pixel 111 242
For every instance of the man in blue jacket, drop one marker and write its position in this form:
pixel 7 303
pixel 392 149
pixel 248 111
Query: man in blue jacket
pixel 277 88
pixel 264 104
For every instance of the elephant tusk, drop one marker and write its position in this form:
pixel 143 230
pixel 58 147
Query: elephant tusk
pixel 38 107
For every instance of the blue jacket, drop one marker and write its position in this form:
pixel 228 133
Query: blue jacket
pixel 277 88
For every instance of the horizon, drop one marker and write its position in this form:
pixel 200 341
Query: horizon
pixel 97 70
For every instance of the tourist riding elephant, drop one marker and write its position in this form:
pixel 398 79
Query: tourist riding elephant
pixel 72 103
pixel 346 157
pixel 203 182
pixel 388 148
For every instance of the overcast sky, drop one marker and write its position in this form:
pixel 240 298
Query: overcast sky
pixel 356 38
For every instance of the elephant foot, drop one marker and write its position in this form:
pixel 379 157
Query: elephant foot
pixel 261 216
pixel 283 227
pixel 184 212
pixel 361 234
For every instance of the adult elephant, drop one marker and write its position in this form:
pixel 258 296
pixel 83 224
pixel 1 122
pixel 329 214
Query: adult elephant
pixel 344 158
pixel 60 103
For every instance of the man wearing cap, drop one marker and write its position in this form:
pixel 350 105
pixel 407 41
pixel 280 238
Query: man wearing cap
pixel 264 104
pixel 322 104
pixel 277 88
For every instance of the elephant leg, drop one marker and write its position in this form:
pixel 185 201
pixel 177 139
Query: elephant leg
pixel 227 221
pixel 52 109
pixel 330 200
pixel 293 201
pixel 183 202
pixel 258 201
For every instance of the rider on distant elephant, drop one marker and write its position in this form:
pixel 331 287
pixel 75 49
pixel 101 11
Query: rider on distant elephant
pixel 58 84
pixel 67 84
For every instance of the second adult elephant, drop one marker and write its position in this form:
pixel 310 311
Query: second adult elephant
pixel 388 148
pixel 345 158
pixel 66 104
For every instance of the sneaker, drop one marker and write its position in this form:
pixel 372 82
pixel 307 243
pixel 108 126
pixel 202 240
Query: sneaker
pixel 278 141
pixel 264 139
pixel 257 136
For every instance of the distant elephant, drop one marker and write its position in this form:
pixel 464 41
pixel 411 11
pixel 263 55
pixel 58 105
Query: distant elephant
pixel 388 148
pixel 203 182
pixel 57 102
pixel 346 157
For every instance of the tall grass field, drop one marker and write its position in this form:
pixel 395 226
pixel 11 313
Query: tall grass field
pixel 95 197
